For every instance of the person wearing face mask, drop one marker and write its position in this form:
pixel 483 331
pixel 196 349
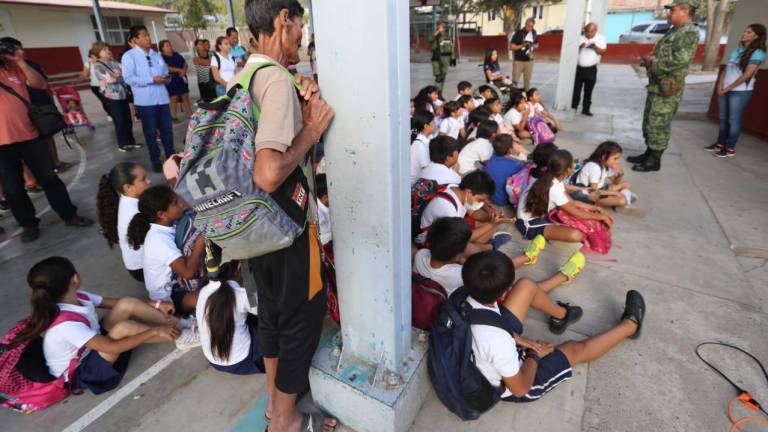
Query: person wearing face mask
pixel 469 200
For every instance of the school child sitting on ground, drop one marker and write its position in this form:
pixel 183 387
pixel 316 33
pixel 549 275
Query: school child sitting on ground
pixel 467 105
pixel 484 93
pixel 228 331
pixel 422 128
pixel 543 366
pixel 464 88
pixel 548 193
pixel 447 242
pixel 451 124
pixel 101 350
pixel 444 155
pixel 163 264
pixel 477 152
pixel 117 202
pixel 516 117
pixel 602 177
pixel 323 212
pixel 74 115
pixel 467 199
pixel 536 109
pixel 494 105
pixel 477 116
pixel 504 163
pixel 426 99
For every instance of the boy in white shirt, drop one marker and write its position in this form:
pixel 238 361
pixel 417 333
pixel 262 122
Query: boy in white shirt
pixel 464 88
pixel 485 92
pixel 467 105
pixel 444 155
pixel 451 124
pixel 480 150
pixel 537 367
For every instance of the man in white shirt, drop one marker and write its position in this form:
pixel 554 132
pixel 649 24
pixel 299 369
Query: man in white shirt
pixel 592 46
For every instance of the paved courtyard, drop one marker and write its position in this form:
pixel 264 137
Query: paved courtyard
pixel 699 257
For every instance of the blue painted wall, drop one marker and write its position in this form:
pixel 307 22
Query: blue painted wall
pixel 620 22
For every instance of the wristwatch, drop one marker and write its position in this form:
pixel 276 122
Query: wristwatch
pixel 531 354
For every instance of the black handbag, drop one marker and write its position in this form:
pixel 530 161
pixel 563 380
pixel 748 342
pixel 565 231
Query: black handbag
pixel 46 118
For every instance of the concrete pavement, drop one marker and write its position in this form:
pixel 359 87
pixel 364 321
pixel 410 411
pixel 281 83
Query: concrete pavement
pixel 699 257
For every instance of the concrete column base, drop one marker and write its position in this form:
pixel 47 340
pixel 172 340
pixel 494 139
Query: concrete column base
pixel 367 397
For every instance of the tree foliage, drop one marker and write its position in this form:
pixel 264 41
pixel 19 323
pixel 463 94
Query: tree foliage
pixel 511 10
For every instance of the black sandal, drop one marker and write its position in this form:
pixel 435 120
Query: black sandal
pixel 316 422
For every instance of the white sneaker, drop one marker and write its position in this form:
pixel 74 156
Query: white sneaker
pixel 189 338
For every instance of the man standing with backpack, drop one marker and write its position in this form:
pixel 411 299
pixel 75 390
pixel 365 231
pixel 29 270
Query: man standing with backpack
pixel 292 301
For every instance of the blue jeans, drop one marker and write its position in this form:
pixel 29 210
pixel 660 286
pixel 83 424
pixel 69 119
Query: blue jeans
pixel 731 105
pixel 156 117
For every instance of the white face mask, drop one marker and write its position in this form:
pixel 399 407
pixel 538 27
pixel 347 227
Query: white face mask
pixel 475 206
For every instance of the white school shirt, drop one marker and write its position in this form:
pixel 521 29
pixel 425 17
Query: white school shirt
pixel 587 56
pixel 534 109
pixel 495 350
pixel 241 339
pixel 61 343
pixel 160 251
pixel 557 198
pixel 512 117
pixel 592 173
pixel 479 150
pixel 226 65
pixel 440 207
pixel 450 126
pixel 419 156
pixel 448 276
pixel 440 173
pixel 324 219
pixel 498 118
pixel 126 210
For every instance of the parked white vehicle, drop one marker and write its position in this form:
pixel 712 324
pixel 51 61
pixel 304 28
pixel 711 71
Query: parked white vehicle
pixel 651 31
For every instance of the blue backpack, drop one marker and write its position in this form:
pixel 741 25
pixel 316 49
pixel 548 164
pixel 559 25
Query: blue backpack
pixel 458 383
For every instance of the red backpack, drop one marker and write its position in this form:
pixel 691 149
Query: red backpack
pixel 25 383
pixel 427 296
pixel 422 192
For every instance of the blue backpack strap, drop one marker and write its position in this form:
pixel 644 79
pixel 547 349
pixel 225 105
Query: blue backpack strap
pixel 491 318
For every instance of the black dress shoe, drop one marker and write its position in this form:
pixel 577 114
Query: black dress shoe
pixel 634 310
pixel 587 113
pixel 30 234
pixel 78 221
pixel 638 159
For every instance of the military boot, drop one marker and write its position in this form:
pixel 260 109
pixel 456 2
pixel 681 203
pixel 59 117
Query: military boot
pixel 639 158
pixel 651 163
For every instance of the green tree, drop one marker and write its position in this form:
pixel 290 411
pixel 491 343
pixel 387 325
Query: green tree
pixel 511 10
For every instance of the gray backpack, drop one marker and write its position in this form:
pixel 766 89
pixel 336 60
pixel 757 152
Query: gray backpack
pixel 216 179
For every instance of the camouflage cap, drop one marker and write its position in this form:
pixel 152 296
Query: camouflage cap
pixel 691 3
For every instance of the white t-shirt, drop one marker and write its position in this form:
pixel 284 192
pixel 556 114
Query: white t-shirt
pixel 494 349
pixel 324 219
pixel 535 109
pixel 479 150
pixel 448 276
pixel 512 117
pixel 587 56
pixel 440 207
pixel 61 343
pixel 241 340
pixel 440 173
pixel 226 66
pixel 419 156
pixel 498 118
pixel 590 173
pixel 451 127
pixel 126 210
pixel 160 251
pixel 557 198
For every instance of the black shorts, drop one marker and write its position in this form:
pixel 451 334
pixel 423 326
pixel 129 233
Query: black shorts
pixel 290 320
pixel 552 370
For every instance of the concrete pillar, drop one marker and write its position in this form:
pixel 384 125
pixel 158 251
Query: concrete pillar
pixel 371 373
pixel 598 13
pixel 99 20
pixel 569 52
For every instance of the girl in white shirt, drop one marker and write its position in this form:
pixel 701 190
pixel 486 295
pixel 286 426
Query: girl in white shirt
pixel 163 263
pixel 602 176
pixel 228 331
pixel 546 194
pixel 117 202
pixel 536 109
pixel 422 127
pixel 88 354
pixel 451 124
pixel 222 65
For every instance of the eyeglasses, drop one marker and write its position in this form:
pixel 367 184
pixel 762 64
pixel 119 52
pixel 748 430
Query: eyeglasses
pixel 149 60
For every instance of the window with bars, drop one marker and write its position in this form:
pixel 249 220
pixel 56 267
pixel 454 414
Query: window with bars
pixel 115 28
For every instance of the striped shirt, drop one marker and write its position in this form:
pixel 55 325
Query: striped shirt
pixel 203 71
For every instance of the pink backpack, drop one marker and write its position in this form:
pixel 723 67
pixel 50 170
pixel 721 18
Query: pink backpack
pixel 17 390
pixel 518 183
pixel 540 131
pixel 597 235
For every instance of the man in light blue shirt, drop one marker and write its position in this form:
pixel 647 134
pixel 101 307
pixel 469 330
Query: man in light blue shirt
pixel 146 72
pixel 237 52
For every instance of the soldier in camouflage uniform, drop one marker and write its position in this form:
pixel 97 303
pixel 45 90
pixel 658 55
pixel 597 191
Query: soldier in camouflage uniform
pixel 667 68
pixel 442 55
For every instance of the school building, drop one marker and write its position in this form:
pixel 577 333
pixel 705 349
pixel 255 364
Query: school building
pixel 58 33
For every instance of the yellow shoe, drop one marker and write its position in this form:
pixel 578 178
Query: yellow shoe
pixel 534 249
pixel 573 266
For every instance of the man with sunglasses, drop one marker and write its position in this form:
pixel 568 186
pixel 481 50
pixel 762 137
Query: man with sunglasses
pixel 146 72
